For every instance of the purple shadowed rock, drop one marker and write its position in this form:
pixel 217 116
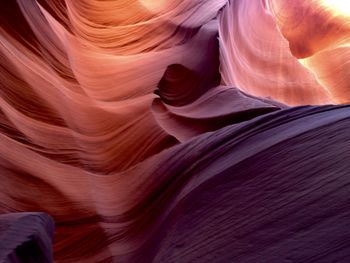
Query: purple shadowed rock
pixel 26 237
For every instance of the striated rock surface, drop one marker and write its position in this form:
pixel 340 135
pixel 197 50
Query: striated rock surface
pixel 174 131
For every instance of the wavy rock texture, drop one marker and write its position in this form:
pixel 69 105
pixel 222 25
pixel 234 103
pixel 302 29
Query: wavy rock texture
pixel 273 189
pixel 163 131
pixel 265 39
pixel 325 49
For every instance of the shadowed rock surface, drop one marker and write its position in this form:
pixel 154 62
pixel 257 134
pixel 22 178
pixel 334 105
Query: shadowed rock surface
pixel 26 238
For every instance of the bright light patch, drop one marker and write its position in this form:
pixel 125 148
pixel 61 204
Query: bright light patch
pixel 154 5
pixel 338 7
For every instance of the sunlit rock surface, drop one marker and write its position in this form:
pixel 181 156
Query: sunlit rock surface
pixel 169 131
pixel 318 31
